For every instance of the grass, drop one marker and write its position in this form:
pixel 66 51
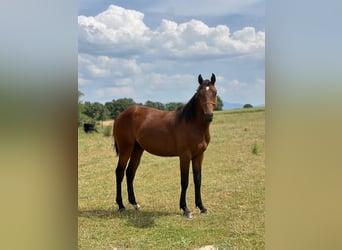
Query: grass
pixel 232 190
pixel 255 149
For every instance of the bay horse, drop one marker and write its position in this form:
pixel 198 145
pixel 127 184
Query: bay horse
pixel 183 132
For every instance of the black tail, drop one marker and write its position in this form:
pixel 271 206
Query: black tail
pixel 116 147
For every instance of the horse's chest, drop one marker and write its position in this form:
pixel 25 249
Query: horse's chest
pixel 201 144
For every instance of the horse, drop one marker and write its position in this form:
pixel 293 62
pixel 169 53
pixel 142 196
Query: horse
pixel 183 132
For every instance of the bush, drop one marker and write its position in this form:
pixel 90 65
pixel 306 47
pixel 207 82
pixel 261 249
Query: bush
pixel 107 131
pixel 255 149
pixel 247 106
pixel 82 118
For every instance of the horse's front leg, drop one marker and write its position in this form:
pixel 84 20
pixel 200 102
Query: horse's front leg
pixel 197 173
pixel 184 169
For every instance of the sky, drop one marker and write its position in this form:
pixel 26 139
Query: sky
pixel 155 50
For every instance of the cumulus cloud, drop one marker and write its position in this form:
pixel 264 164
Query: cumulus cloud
pixel 104 66
pixel 236 90
pixel 195 38
pixel 115 91
pixel 121 32
pixel 120 56
pixel 114 31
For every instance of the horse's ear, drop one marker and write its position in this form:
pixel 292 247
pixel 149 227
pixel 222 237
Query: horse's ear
pixel 213 78
pixel 200 79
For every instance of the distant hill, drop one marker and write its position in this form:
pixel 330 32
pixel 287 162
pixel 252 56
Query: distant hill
pixel 228 105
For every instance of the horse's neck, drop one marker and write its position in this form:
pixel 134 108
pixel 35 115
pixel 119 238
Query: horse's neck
pixel 200 131
pixel 199 118
pixel 200 124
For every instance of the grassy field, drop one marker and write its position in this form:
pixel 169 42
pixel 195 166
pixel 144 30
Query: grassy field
pixel 233 191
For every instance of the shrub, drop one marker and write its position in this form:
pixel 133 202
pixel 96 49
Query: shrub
pixel 107 131
pixel 255 149
pixel 247 106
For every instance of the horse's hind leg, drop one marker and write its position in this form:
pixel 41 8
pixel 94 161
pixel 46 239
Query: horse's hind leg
pixel 130 173
pixel 120 172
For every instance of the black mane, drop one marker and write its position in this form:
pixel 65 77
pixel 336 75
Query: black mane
pixel 187 111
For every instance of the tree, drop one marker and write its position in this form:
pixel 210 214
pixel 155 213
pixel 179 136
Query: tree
pixel 172 106
pixel 115 107
pixel 80 107
pixel 156 105
pixel 247 106
pixel 219 103
pixel 82 117
pixel 96 110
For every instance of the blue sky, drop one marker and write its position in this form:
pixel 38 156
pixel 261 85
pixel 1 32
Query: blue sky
pixel 154 50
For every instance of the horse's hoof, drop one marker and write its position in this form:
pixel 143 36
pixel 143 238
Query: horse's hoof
pixel 122 209
pixel 137 207
pixel 188 214
pixel 204 211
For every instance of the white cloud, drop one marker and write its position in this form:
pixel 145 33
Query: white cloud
pixel 97 71
pixel 236 91
pixel 167 87
pixel 249 40
pixel 121 32
pixel 82 81
pixel 114 31
pixel 234 84
pixel 104 66
pixel 120 56
pixel 114 91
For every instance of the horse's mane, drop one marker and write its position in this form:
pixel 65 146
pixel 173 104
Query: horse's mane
pixel 187 111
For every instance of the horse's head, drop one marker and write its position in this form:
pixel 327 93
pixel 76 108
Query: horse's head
pixel 206 95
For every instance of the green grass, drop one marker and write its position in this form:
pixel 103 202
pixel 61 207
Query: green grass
pixel 232 190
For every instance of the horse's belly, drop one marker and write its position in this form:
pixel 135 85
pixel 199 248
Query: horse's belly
pixel 160 149
pixel 158 143
pixel 161 152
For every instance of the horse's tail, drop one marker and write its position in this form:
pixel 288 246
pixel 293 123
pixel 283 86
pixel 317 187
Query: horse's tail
pixel 115 146
pixel 116 149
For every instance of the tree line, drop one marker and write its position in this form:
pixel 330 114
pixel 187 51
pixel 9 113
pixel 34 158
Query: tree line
pixel 95 111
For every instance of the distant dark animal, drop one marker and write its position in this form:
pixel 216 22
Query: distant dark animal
pixel 88 127
pixel 183 133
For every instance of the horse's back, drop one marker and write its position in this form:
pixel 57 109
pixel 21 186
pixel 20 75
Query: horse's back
pixel 136 116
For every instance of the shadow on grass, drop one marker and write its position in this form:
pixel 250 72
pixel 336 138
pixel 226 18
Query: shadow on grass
pixel 139 219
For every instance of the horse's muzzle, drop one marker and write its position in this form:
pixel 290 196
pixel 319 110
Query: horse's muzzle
pixel 208 117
